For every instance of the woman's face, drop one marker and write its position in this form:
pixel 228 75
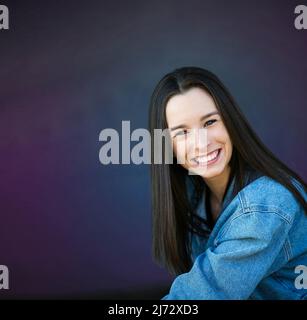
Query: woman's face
pixel 205 152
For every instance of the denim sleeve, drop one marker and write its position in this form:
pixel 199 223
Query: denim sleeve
pixel 238 260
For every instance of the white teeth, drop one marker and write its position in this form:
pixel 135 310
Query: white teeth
pixel 204 159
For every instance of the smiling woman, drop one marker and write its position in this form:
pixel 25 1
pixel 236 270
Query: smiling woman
pixel 213 147
pixel 229 218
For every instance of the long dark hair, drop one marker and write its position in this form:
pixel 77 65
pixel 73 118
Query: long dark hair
pixel 173 213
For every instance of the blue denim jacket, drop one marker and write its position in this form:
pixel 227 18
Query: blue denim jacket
pixel 256 250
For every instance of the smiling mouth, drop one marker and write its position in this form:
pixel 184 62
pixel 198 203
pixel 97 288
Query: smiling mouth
pixel 205 160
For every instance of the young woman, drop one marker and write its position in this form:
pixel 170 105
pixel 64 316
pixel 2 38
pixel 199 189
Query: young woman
pixel 229 218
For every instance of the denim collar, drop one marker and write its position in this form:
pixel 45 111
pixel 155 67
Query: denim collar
pixel 250 176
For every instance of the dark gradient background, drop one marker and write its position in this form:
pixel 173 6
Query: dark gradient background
pixel 71 227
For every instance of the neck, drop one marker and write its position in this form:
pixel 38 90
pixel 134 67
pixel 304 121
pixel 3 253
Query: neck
pixel 218 184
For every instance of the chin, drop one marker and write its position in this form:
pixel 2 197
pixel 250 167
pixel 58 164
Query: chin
pixel 212 175
pixel 206 173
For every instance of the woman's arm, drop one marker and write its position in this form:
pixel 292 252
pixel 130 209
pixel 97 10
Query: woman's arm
pixel 238 261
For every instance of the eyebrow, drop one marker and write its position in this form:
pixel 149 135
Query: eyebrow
pixel 201 119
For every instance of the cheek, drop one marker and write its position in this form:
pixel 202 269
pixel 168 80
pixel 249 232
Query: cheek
pixel 221 135
pixel 228 145
pixel 180 151
pixel 218 134
pixel 179 148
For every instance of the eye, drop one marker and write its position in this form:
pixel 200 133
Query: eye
pixel 180 133
pixel 209 122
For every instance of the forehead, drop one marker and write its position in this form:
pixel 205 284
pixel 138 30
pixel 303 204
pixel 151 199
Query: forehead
pixel 188 107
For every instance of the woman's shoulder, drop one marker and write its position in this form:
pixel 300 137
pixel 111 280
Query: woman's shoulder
pixel 267 194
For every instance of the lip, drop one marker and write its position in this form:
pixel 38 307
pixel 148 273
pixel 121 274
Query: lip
pixel 211 161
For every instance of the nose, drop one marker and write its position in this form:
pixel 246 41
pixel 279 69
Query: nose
pixel 198 142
